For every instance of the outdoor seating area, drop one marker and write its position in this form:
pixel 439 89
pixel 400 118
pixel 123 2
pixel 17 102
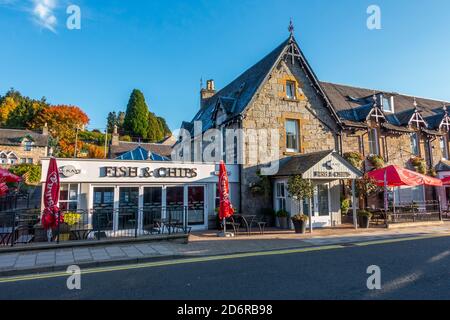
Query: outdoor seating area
pixel 21 227
pixel 240 223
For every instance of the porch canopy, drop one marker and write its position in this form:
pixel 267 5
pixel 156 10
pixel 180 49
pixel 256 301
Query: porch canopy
pixel 323 165
pixel 396 177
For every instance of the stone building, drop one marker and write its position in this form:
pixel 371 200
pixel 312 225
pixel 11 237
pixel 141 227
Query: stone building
pixel 23 146
pixel 316 121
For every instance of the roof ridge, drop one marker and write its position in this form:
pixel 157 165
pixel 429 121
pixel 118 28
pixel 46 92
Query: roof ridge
pixel 384 91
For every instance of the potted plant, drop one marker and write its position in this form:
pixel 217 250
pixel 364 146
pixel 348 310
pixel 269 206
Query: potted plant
pixel 299 221
pixel 354 158
pixel 345 206
pixel 364 218
pixel 419 165
pixel 282 218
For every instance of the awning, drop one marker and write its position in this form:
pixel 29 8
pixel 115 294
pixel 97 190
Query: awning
pixel 446 181
pixel 397 177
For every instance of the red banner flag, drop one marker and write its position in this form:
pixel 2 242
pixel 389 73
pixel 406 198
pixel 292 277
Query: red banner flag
pixel 51 217
pixel 226 209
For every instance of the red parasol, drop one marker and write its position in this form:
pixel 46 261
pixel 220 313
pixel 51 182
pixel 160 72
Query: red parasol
pixel 397 177
pixel 3 189
pixel 446 181
pixel 51 216
pixel 226 209
pixel 6 176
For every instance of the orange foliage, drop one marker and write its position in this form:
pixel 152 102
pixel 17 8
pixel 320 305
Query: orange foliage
pixel 62 120
pixel 96 152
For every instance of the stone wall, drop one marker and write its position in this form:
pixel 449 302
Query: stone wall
pixel 269 111
pixel 36 153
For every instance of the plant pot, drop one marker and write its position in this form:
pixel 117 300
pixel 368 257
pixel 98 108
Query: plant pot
pixel 363 222
pixel 299 226
pixel 283 222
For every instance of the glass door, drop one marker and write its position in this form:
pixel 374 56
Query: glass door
pixel 174 203
pixel 196 205
pixel 103 215
pixel 152 207
pixel 128 207
pixel 322 216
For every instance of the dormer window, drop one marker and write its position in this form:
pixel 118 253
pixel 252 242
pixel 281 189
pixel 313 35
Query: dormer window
pixel 28 145
pixel 290 90
pixel 388 104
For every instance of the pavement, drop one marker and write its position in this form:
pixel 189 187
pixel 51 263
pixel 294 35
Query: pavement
pixel 201 244
pixel 416 268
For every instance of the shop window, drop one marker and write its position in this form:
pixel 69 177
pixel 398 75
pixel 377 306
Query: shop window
pixel 290 90
pixel 280 196
pixel 444 147
pixel 292 136
pixel 373 142
pixel 68 197
pixel 415 144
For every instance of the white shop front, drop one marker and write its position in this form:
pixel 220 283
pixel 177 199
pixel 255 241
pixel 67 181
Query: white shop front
pixel 135 186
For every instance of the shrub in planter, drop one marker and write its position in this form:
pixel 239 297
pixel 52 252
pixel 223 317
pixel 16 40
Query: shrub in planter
pixel 376 161
pixel 299 221
pixel 354 158
pixel 419 165
pixel 282 217
pixel 364 218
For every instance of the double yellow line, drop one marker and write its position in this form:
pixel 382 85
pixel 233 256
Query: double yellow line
pixel 213 258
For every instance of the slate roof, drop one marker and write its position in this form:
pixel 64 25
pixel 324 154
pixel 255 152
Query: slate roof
pixel 141 154
pixel 301 163
pixel 13 137
pixel 238 94
pixel 350 104
pixel 124 147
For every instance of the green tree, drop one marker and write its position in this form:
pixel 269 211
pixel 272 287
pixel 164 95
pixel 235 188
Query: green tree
pixel 111 121
pixel 136 116
pixel 155 132
pixel 164 127
pixel 120 120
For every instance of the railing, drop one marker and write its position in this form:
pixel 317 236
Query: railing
pixel 22 226
pixel 415 212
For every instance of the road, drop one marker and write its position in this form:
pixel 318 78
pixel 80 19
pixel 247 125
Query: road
pixel 414 269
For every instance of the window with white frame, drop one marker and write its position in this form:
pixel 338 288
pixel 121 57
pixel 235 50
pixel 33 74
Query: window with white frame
pixel 290 90
pixel 444 146
pixel 388 104
pixel 68 197
pixel 373 142
pixel 280 196
pixel 292 135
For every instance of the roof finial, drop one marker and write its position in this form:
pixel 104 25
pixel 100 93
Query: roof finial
pixel 291 27
pixel 415 103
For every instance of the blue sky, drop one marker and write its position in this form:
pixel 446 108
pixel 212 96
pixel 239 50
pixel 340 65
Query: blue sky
pixel 165 47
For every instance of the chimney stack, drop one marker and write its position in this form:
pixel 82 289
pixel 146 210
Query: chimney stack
pixel 207 93
pixel 45 130
pixel 115 137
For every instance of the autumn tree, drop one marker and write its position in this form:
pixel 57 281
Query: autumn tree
pixel 136 116
pixel 62 122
